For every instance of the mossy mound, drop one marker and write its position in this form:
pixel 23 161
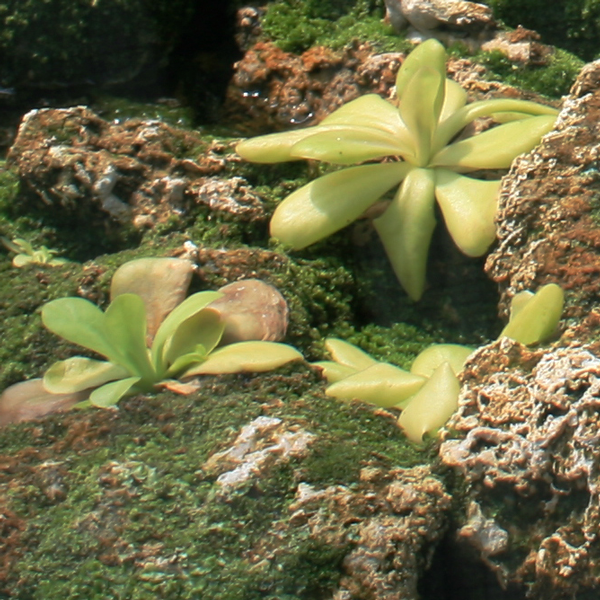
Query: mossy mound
pixel 102 503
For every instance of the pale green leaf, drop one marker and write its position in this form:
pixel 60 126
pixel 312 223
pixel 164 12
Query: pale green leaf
pixel 455 98
pixel 429 54
pixel 188 308
pixel 80 322
pixel 432 405
pixel 519 302
pixel 204 328
pixel 272 148
pixel 536 318
pixel 381 384
pixel 20 260
pixel 186 361
pixel 126 328
pixel 333 201
pixel 350 144
pixel 371 111
pixel 405 229
pixel 469 208
pixel 79 373
pixel 434 356
pixel 458 120
pixel 109 394
pixel 333 371
pixel 495 148
pixel 246 357
pixel 348 354
pixel 420 109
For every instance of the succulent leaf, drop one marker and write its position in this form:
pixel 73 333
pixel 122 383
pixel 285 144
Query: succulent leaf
pixel 469 207
pixel 432 405
pixel 333 201
pixel 535 318
pixel 381 384
pixel 81 322
pixel 109 394
pixel 242 357
pixel 429 54
pixel 432 357
pixel 79 373
pixel 348 354
pixel 125 320
pixel 349 144
pixel 420 110
pixel 203 329
pixel 406 227
pixel 272 148
pixel 333 371
pixel 495 148
pixel 372 111
pixel 188 308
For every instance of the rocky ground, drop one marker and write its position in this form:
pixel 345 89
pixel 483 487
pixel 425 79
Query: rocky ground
pixel 261 486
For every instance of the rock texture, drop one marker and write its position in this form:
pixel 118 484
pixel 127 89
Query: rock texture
pixel 132 172
pixel 548 212
pixel 525 437
pixel 276 90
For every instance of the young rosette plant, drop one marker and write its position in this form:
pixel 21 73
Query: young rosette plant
pixel 428 393
pixel 423 155
pixel 148 335
pixel 26 254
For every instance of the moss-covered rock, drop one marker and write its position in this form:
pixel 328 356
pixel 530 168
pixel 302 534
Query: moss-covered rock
pixel 254 487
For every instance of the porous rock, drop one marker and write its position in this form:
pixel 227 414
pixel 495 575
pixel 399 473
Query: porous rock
pixel 524 441
pixel 274 90
pixel 548 213
pixel 136 171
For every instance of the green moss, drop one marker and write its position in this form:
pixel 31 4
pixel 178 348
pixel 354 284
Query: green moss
pixel 124 509
pixel 553 80
pixel 296 25
pixel 573 25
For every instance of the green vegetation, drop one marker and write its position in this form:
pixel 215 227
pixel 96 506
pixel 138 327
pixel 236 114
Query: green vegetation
pixel 132 514
pixel 553 80
pixel 296 25
pixel 420 135
pixel 573 25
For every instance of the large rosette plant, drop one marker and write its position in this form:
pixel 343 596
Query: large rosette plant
pixel 417 148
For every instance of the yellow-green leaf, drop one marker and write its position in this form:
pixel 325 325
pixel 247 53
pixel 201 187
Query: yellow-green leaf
pixel 246 357
pixel 431 358
pixel 350 144
pixel 333 201
pixel 348 354
pixel 469 208
pixel 381 384
pixel 80 373
pixel 405 229
pixel 535 318
pixel 432 405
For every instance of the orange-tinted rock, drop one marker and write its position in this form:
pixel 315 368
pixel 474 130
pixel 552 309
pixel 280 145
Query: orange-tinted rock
pixel 549 212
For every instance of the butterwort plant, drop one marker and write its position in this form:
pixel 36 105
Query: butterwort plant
pixel 149 335
pixel 419 148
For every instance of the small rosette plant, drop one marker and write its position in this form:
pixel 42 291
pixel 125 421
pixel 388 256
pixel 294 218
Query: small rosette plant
pixel 148 336
pixel 428 393
pixel 419 150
